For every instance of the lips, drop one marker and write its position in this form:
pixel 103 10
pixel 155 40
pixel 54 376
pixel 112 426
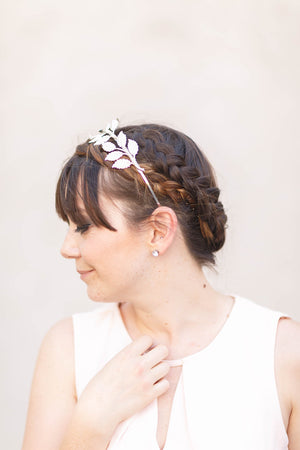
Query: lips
pixel 84 273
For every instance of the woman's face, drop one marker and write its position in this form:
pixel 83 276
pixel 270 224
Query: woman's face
pixel 112 263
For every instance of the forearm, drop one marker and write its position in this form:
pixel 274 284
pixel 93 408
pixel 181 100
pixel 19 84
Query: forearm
pixel 80 436
pixel 75 440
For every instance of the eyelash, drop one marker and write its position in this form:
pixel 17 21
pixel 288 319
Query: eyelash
pixel 83 228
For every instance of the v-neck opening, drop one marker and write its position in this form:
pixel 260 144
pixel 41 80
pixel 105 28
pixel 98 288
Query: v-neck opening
pixel 226 325
pixel 179 384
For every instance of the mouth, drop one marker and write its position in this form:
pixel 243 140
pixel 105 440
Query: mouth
pixel 84 273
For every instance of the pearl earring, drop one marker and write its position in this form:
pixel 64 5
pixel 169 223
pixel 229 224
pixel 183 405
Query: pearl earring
pixel 155 252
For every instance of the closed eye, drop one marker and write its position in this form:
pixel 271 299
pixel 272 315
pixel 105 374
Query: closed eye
pixel 83 228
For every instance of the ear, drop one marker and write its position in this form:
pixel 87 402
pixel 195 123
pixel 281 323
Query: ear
pixel 163 225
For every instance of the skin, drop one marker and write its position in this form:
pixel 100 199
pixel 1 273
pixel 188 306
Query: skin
pixel 170 311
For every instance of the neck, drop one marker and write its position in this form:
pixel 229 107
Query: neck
pixel 177 313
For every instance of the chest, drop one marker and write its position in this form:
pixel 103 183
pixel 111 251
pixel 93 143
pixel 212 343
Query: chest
pixel 164 406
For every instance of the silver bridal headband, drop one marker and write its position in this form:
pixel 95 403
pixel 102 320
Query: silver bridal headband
pixel 122 151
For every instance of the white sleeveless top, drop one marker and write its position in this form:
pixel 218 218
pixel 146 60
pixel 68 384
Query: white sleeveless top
pixel 226 397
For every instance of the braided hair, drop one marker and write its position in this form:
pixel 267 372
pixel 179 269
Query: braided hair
pixel 179 173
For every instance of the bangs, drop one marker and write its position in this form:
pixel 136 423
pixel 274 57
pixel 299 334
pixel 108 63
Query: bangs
pixel 79 180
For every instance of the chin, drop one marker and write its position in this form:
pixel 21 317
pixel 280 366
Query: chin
pixel 98 297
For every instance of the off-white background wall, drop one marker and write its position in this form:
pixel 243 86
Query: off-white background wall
pixel 224 72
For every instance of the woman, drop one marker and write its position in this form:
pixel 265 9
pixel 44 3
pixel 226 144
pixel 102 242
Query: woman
pixel 168 362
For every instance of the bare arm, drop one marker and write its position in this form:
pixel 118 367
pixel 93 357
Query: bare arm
pixel 289 354
pixel 80 436
pixel 55 419
pixel 52 398
pixel 125 385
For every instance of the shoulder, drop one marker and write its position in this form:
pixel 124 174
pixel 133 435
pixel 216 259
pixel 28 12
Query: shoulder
pixel 55 361
pixel 288 346
pixel 288 358
pixel 288 342
pixel 63 327
pixel 56 354
pixel 59 337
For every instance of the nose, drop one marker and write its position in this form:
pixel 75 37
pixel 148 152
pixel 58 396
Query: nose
pixel 69 248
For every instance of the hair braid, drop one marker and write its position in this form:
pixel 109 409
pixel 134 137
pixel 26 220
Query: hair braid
pixel 185 184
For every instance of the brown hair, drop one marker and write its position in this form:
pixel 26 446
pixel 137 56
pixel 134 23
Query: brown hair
pixel 179 173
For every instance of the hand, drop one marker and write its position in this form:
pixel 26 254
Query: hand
pixel 130 381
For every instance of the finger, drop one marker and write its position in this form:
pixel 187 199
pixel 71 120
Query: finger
pixel 159 371
pixel 140 345
pixel 160 387
pixel 155 355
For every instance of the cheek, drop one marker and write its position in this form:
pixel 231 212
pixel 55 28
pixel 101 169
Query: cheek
pixel 91 252
pixel 102 254
pixel 118 252
pixel 136 260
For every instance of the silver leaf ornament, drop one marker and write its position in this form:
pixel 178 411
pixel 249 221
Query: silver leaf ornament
pixel 113 156
pixel 132 147
pixel 114 124
pixel 121 139
pixel 121 164
pixel 116 152
pixel 108 146
pixel 99 139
